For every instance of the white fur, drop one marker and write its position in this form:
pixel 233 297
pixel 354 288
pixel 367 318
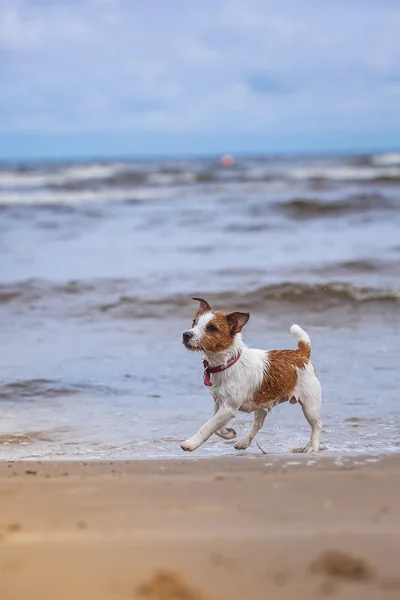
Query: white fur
pixel 300 334
pixel 308 391
pixel 230 388
pixel 233 389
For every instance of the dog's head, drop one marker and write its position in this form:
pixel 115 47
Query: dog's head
pixel 213 331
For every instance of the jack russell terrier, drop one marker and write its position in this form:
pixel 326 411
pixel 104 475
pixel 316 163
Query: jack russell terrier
pixel 250 380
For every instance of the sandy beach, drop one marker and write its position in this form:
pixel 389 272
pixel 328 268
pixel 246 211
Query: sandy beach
pixel 190 529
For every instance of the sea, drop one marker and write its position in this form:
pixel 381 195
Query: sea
pixel 99 262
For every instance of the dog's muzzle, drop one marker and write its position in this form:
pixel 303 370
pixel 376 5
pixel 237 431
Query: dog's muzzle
pixel 187 339
pixel 187 336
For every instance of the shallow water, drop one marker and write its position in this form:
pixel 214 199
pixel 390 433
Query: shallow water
pixel 98 264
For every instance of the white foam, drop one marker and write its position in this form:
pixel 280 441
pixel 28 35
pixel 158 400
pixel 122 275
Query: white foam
pixel 61 176
pixel 346 173
pixel 11 179
pixel 92 171
pixel 171 178
pixel 390 158
pixel 84 196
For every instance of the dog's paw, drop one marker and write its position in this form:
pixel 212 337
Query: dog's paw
pixel 189 445
pixel 227 433
pixel 307 448
pixel 186 447
pixel 242 444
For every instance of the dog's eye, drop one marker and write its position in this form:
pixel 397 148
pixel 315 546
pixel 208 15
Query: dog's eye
pixel 194 323
pixel 212 328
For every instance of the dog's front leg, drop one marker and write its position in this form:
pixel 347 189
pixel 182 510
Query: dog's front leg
pixel 223 415
pixel 226 433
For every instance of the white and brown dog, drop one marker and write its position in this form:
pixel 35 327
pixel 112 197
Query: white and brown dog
pixel 250 380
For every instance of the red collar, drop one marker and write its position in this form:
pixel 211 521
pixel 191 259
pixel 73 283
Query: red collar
pixel 219 368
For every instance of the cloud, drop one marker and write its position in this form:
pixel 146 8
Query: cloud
pixel 254 65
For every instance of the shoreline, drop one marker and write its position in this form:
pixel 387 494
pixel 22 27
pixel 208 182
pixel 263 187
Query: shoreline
pixel 277 461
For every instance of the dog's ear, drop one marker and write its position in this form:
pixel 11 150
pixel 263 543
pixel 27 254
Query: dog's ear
pixel 237 320
pixel 204 306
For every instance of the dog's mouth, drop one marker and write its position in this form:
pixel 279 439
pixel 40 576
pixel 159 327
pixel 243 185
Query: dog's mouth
pixel 192 346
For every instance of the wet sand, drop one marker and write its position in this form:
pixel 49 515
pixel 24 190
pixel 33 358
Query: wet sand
pixel 192 529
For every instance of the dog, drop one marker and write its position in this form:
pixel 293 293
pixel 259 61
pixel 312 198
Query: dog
pixel 250 380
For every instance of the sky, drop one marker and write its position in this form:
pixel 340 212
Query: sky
pixel 106 78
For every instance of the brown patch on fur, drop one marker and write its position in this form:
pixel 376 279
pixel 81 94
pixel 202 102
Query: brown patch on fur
pixel 215 341
pixel 280 379
pixel 304 349
pixel 228 325
pixel 237 320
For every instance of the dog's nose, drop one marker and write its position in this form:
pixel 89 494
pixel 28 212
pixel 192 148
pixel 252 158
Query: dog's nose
pixel 187 335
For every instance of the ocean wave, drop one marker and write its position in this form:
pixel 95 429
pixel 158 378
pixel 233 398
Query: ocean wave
pixel 29 389
pixel 360 266
pixel 43 177
pixel 346 173
pixel 307 208
pixel 24 438
pixel 322 295
pixel 390 158
pixel 314 297
pixel 128 174
pixel 33 292
pixel 30 290
pixel 77 184
pixel 77 197
pixel 118 302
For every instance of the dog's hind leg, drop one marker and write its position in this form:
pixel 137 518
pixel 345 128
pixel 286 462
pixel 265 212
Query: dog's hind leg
pixel 312 413
pixel 226 433
pixel 259 418
pixel 310 401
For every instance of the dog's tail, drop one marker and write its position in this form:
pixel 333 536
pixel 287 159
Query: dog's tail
pixel 303 340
